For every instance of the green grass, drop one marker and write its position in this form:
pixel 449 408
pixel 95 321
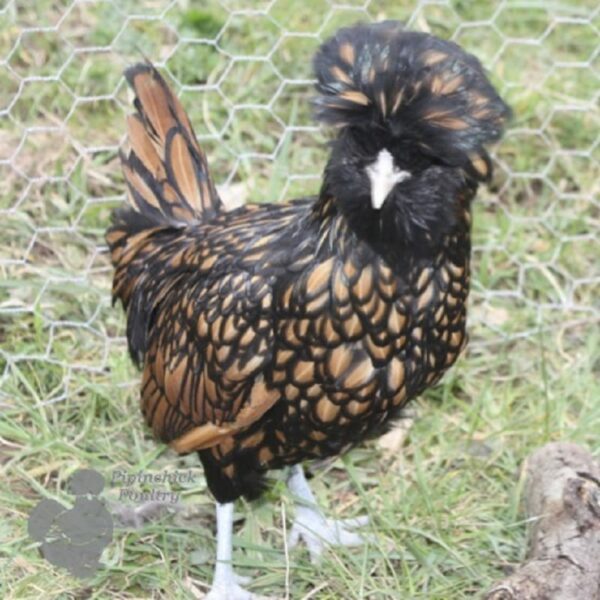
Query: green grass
pixel 445 509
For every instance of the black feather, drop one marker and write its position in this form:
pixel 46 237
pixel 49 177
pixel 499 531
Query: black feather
pixel 412 85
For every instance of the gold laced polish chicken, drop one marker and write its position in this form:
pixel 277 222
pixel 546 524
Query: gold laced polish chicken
pixel 275 334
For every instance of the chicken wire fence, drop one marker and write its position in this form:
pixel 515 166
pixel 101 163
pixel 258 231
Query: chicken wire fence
pixel 243 70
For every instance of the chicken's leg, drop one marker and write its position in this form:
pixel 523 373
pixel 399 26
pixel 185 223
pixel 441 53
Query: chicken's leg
pixel 312 526
pixel 225 584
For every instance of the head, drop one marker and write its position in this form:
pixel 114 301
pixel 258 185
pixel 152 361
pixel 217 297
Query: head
pixel 413 114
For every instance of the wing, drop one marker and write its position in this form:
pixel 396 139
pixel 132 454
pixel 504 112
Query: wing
pixel 208 311
pixel 208 347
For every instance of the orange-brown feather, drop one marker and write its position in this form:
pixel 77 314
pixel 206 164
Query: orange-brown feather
pixel 165 158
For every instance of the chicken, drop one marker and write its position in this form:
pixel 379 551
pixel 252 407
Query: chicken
pixel 276 334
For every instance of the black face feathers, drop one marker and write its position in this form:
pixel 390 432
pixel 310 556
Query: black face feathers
pixel 416 87
pixel 418 212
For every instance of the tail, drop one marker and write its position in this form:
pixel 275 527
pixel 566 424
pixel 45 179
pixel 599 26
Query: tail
pixel 168 188
pixel 165 170
pixel 415 86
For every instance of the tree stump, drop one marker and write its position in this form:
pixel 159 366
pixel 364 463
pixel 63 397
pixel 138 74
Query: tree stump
pixel 562 496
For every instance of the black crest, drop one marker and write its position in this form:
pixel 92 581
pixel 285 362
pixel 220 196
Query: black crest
pixel 417 86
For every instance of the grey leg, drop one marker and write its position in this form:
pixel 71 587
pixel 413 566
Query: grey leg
pixel 225 584
pixel 312 526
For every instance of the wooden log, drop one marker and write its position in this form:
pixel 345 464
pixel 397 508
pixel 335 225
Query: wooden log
pixel 562 497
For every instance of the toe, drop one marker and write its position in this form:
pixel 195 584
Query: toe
pixel 314 544
pixel 293 536
pixel 242 579
pixel 345 537
pixel 317 532
pixel 228 592
pixel 355 523
pixel 315 548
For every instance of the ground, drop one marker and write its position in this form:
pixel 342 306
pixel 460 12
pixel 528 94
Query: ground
pixel 445 504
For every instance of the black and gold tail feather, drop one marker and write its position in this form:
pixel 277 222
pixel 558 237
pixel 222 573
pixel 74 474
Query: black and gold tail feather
pixel 168 188
pixel 165 169
pixel 413 85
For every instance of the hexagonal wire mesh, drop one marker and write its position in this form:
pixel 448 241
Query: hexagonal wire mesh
pixel 243 70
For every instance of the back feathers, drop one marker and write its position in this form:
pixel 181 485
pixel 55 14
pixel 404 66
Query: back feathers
pixel 166 171
pixel 414 85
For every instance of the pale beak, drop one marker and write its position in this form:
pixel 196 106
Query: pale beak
pixel 384 175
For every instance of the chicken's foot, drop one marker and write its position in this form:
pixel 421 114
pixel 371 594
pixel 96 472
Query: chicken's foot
pixel 311 525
